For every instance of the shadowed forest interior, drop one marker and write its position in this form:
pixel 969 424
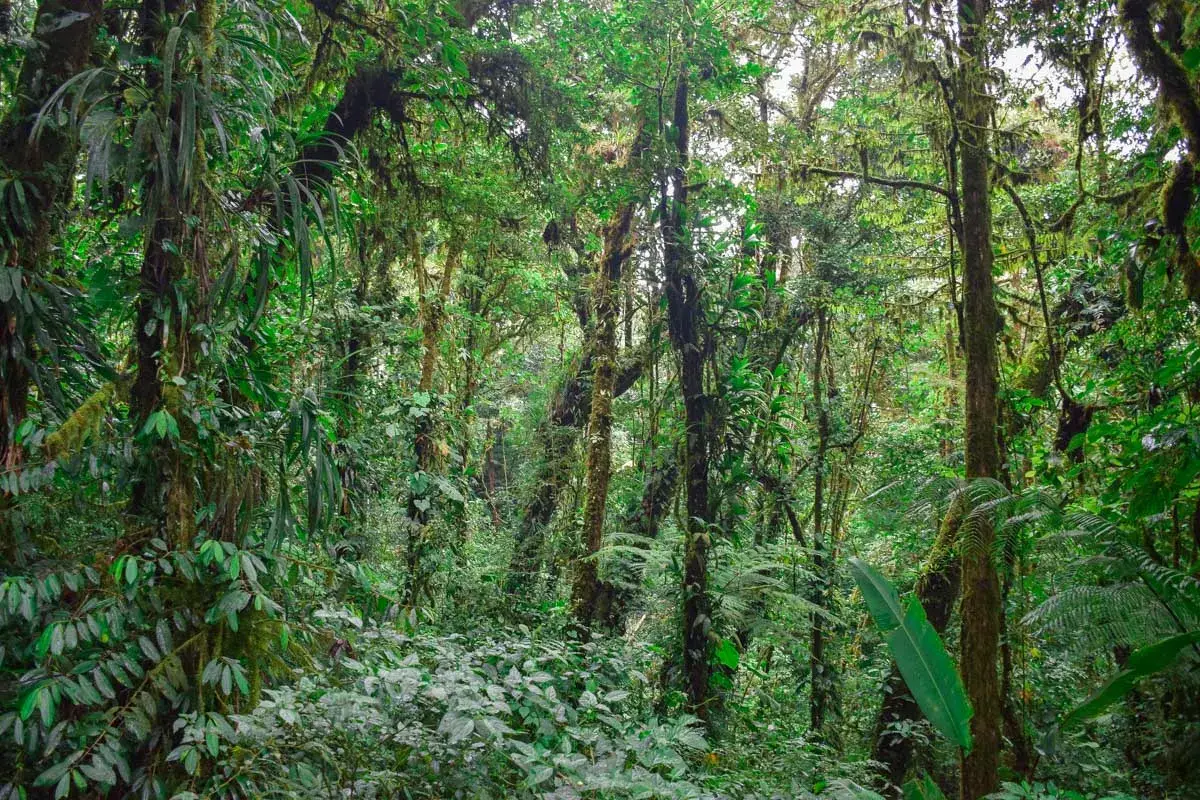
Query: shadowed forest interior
pixel 583 399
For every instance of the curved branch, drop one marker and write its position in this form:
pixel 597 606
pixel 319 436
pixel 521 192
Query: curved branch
pixel 879 180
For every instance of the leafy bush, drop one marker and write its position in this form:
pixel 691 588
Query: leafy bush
pixel 455 716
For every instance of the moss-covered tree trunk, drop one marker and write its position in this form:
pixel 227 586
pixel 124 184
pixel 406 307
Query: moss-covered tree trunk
pixel 432 299
pixel 556 438
pixel 937 590
pixel 163 493
pixel 615 601
pixel 42 165
pixel 1181 99
pixel 980 584
pixel 586 588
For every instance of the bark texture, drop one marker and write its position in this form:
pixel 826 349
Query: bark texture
pixel 432 298
pixel 1179 96
pixel 980 584
pixel 163 491
pixel 684 318
pixel 44 167
pixel 615 599
pixel 557 436
pixel 615 253
pixel 818 668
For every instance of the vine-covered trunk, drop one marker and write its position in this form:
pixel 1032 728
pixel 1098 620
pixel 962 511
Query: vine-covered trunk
pixel 432 304
pixel 163 492
pixel 555 440
pixel 980 585
pixel 613 604
pixel 1178 93
pixel 818 669
pixel 599 443
pixel 42 165
pixel 684 317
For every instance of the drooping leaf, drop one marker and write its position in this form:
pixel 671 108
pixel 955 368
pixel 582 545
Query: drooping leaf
pixel 1142 663
pixel 920 655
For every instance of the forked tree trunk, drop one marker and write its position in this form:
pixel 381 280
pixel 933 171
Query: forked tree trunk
pixel 614 600
pixel 980 586
pixel 555 438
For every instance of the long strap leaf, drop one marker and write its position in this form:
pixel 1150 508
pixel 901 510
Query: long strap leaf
pixel 920 655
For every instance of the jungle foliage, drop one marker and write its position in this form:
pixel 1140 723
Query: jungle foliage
pixel 600 399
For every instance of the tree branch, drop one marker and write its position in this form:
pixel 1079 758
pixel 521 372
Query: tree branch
pixel 894 183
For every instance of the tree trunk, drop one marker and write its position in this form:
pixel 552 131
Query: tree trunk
pixel 661 479
pixel 1178 94
pixel 819 688
pixel 45 167
pixel 432 304
pixel 163 493
pixel 556 437
pixel 1014 726
pixel 684 317
pixel 599 447
pixel 980 585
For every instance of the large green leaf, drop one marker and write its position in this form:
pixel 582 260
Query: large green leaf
pixel 922 658
pixel 1142 663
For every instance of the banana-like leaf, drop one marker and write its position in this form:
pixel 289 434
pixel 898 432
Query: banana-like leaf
pixel 922 658
pixel 1142 663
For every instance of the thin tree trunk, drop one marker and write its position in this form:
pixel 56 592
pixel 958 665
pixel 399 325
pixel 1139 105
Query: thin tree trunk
pixel 684 317
pixel 599 448
pixel 627 311
pixel 163 493
pixel 1014 726
pixel 432 304
pixel 980 585
pixel 953 408
pixel 819 678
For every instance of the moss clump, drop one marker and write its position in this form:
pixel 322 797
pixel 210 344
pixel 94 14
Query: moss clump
pixel 84 421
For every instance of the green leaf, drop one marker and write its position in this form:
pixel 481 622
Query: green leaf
pixel 920 655
pixel 727 655
pixel 53 774
pixel 1142 663
pixel 30 703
